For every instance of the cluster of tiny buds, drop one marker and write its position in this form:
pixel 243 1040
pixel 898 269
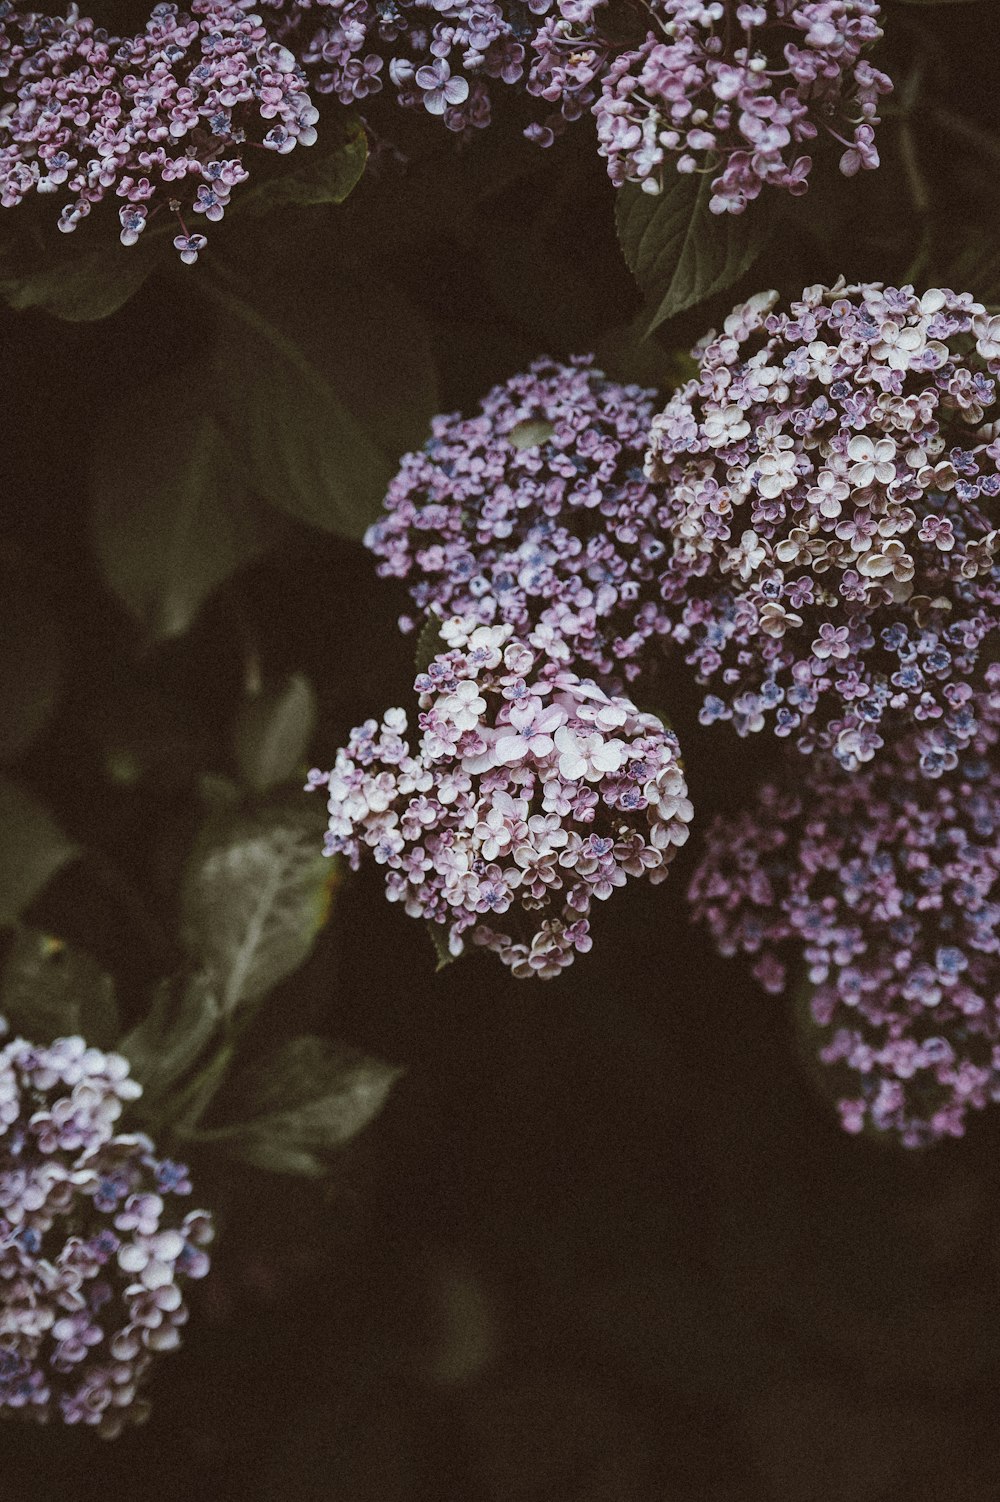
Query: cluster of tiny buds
pixel 94 1255
pixel 530 794
pixel 160 120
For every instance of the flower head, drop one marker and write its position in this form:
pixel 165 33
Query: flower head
pixel 740 94
pixel 93 1252
pixel 450 59
pixel 529 794
pixel 536 513
pixel 832 485
pixel 156 120
pixel 881 891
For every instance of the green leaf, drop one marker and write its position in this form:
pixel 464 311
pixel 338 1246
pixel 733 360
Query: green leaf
pixel 629 354
pixel 326 175
pixel 170 519
pixel 439 939
pixel 30 657
pixel 183 1019
pixel 678 251
pixel 273 732
pixel 530 434
pixel 308 1099
pixel 320 396
pixel 84 288
pixel 429 644
pixel 50 990
pixel 255 894
pixel 32 849
pixel 976 265
pixel 300 446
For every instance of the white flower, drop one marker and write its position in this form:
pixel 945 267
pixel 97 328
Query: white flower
pixel 748 557
pixel 872 461
pixel 728 425
pixel 464 707
pixel 589 757
pixel 986 328
pixel 899 344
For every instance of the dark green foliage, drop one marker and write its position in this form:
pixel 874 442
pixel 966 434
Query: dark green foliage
pixel 34 848
pixel 255 892
pixel 50 990
pixel 679 252
pixel 272 733
pixel 600 1240
pixel 299 1105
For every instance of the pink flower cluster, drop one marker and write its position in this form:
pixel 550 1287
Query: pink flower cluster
pixel 530 793
pixel 93 1253
pixel 450 59
pixel 158 120
pixel 735 89
pixel 832 481
pixel 881 892
pixel 536 512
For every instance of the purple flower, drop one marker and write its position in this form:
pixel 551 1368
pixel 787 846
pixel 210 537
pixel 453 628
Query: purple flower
pixel 486 820
pixel 144 116
pixel 439 88
pixel 189 246
pixel 696 93
pixel 535 512
pixel 822 557
pixel 93 1256
pixel 881 891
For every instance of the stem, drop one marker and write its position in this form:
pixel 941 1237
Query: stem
pixel 915 179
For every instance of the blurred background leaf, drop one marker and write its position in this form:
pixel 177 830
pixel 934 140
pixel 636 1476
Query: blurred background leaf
pixel 32 849
pixel 31 654
pixel 50 990
pixel 272 733
pixel 255 893
pixel 304 1102
pixel 170 518
pixel 90 282
pixel 314 409
pixel 183 1017
pixel 328 173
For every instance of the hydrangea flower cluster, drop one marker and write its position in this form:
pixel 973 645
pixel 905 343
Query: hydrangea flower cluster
pixel 536 512
pixel 832 478
pixel 449 58
pixel 157 120
pixel 530 793
pixel 887 886
pixel 93 1254
pixel 736 89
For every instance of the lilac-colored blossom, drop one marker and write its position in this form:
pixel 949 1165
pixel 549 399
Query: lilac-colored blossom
pixel 93 1252
pixel 880 891
pixel 535 512
pixel 831 517
pixel 738 90
pixel 453 59
pixel 508 846
pixel 160 120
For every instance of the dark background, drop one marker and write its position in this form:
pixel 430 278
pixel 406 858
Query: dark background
pixel 607 1240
